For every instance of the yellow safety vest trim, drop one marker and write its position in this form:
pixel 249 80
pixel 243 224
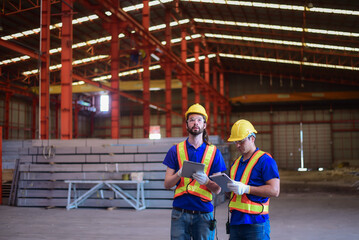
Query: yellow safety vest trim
pixel 194 188
pixel 241 202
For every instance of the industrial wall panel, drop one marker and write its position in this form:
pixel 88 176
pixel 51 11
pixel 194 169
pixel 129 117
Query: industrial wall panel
pixel 156 157
pixel 286 150
pixel 107 149
pixel 263 142
pixel 346 147
pixel 92 158
pixel 32 193
pixel 26 158
pixel 96 142
pixel 154 149
pixel 55 167
pixel 80 150
pixel 46 184
pixel 57 143
pixel 154 167
pixel 140 157
pixel 36 150
pixel 316 146
pixel 135 142
pixel 12 145
pixel 130 149
pixel 24 167
pixel 112 167
pixel 113 158
pixel 62 176
pixel 170 141
pixel 60 159
pixel 42 183
pixel 60 184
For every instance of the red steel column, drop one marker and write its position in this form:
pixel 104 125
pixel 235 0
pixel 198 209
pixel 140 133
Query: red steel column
pixel 76 120
pixel 228 110
pixel 33 118
pixel 228 127
pixel 184 78
pixel 197 97
pixel 0 165
pixel 146 72
pixel 115 97
pixel 207 96
pixel 57 110
pixel 215 104
pixel 44 70
pixel 221 89
pixel 66 70
pixel 7 116
pixel 168 78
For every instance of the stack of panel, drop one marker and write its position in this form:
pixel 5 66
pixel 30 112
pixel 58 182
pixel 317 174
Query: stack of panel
pixel 48 163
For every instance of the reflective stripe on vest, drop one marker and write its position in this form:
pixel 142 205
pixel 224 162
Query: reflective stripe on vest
pixel 195 188
pixel 241 202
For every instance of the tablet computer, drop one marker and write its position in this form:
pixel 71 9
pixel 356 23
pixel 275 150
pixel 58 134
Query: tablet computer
pixel 191 167
pixel 222 180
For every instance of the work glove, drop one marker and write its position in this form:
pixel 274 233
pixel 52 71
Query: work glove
pixel 201 178
pixel 179 172
pixel 238 188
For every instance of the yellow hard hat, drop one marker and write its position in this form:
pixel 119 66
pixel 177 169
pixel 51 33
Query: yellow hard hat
pixel 240 130
pixel 196 108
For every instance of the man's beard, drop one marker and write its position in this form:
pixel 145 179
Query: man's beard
pixel 195 133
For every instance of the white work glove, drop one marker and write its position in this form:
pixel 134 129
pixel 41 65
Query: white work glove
pixel 238 188
pixel 201 178
pixel 179 172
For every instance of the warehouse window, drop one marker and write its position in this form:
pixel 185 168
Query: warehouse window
pixel 104 103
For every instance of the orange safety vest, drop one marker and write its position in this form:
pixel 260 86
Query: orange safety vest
pixel 241 202
pixel 195 188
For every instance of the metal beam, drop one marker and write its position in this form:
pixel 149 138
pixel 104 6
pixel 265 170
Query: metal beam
pixel 45 71
pixel 168 77
pixel 115 98
pixel 353 82
pixel 140 30
pixel 290 97
pixel 146 74
pixel 184 77
pixel 1 165
pixel 19 49
pixel 7 115
pixel 126 95
pixel 15 91
pixel 66 71
pixel 91 86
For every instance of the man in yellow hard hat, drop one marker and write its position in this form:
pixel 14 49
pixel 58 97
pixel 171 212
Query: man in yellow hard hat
pixel 255 179
pixel 192 213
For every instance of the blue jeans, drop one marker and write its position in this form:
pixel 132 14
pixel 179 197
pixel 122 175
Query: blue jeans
pixel 259 231
pixel 186 225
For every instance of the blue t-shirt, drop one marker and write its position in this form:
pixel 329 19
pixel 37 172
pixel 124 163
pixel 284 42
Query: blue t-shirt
pixel 188 201
pixel 265 169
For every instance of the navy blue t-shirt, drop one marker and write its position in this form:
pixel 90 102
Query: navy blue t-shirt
pixel 188 201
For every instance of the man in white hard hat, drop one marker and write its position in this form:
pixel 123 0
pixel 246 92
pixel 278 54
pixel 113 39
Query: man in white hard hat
pixel 192 213
pixel 255 179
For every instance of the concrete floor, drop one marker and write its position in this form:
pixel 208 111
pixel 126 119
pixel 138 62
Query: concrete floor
pixel 293 216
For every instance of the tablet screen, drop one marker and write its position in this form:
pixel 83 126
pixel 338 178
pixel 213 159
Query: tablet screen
pixel 222 180
pixel 191 167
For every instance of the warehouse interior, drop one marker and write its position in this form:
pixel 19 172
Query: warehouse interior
pixel 98 89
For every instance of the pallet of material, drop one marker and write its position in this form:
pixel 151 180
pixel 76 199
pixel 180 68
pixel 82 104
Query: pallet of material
pixel 45 165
